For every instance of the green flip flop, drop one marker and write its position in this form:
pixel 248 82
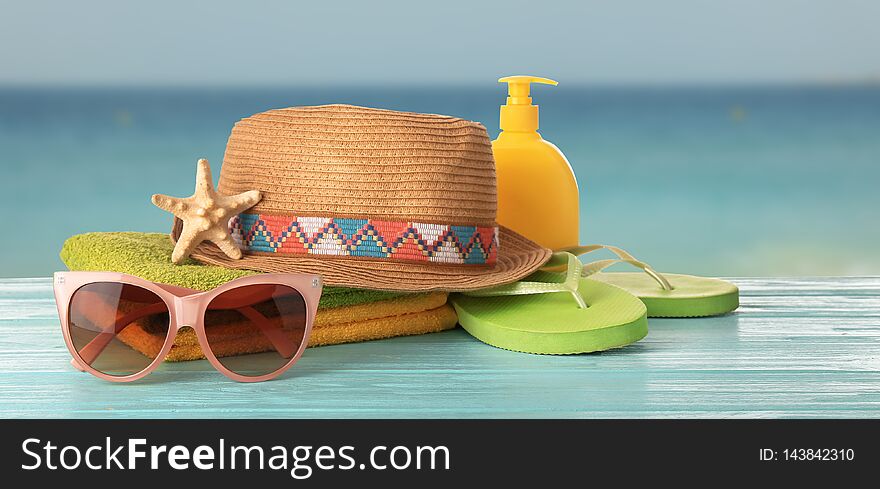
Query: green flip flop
pixel 667 294
pixel 553 313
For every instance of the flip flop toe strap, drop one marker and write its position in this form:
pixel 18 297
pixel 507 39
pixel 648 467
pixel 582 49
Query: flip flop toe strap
pixel 573 271
pixel 567 261
pixel 623 257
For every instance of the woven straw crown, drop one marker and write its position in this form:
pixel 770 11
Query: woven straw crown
pixel 370 198
pixel 347 161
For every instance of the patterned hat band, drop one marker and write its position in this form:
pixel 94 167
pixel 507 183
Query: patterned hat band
pixel 370 238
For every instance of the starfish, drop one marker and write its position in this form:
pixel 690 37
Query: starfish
pixel 206 215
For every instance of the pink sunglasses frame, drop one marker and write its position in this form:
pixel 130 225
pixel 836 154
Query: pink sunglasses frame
pixel 186 307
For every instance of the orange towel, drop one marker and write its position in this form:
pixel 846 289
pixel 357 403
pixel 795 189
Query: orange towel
pixel 407 315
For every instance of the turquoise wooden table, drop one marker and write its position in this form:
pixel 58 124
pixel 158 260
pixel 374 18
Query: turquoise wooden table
pixel 796 348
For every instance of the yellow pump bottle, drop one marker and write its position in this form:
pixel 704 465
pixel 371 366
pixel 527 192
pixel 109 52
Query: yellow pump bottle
pixel 537 190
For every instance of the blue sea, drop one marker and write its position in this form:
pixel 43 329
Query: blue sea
pixel 748 181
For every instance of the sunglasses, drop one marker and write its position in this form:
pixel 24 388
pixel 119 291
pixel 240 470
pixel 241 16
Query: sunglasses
pixel 120 328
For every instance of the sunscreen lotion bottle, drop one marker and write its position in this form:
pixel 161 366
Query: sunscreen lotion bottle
pixel 537 190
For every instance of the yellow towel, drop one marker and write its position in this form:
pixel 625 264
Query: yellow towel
pixel 407 315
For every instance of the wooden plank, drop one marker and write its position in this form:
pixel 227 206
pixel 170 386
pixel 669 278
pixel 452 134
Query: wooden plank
pixel 807 347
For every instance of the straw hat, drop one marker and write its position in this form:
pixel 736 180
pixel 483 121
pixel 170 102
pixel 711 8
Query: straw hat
pixel 369 198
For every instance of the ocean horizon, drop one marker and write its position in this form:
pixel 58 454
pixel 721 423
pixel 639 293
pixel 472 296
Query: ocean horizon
pixel 756 180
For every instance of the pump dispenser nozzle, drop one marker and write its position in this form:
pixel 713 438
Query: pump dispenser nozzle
pixel 519 114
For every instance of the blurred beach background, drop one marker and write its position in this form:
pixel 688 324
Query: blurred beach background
pixel 738 139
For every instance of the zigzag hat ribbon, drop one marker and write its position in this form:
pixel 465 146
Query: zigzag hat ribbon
pixel 369 238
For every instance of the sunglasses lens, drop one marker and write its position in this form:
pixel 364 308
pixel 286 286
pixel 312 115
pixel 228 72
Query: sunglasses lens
pixel 268 321
pixel 118 329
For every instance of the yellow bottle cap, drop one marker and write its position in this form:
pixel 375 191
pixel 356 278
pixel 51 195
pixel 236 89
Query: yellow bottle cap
pixel 519 114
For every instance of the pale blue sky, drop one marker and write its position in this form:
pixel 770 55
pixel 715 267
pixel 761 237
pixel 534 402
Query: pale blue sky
pixel 450 41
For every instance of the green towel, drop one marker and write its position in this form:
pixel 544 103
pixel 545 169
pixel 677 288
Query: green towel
pixel 148 256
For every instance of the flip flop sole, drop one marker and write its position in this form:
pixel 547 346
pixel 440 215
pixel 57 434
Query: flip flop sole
pixel 552 324
pixel 691 296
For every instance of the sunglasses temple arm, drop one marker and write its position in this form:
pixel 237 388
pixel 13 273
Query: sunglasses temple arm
pixel 94 348
pixel 275 336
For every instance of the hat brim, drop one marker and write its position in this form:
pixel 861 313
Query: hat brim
pixel 517 258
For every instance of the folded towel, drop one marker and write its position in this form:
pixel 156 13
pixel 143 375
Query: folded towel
pixel 148 256
pixel 186 346
pixel 344 314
